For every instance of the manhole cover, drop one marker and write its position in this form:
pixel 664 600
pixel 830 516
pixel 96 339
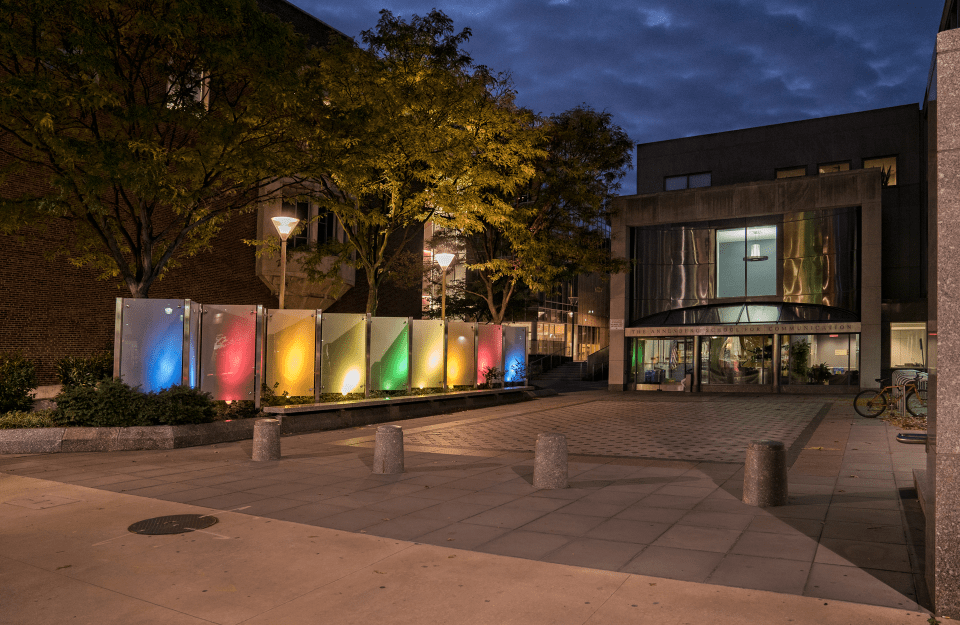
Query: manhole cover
pixel 176 524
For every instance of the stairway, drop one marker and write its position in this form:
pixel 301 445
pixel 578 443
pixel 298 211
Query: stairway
pixel 567 372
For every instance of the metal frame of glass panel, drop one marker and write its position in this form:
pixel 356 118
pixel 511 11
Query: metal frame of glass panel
pixel 428 354
pixel 156 350
pixel 290 351
pixel 228 362
pixel 343 335
pixel 389 354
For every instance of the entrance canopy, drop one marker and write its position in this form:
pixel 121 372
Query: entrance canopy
pixel 747 314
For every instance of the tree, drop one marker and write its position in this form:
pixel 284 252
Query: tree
pixel 405 130
pixel 147 123
pixel 559 224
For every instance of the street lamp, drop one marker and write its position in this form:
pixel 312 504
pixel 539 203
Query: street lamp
pixel 573 339
pixel 444 259
pixel 285 226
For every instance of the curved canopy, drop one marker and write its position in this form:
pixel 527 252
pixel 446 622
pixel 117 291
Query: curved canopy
pixel 743 314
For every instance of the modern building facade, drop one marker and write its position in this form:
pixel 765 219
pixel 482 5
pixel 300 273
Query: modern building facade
pixel 783 258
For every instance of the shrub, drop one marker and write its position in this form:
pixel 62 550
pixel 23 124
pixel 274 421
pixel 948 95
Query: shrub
pixel 238 409
pixel 110 403
pixel 18 378
pixel 21 419
pixel 84 370
pixel 179 405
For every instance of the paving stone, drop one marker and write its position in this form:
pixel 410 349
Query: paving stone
pixel 683 564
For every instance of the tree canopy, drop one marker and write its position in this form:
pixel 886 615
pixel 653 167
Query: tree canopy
pixel 147 122
pixel 407 129
pixel 559 223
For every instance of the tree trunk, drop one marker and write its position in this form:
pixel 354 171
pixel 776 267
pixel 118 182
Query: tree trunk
pixel 372 295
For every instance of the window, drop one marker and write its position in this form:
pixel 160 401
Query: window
pixel 791 172
pixel 687 181
pixel 326 227
pixel 188 87
pixel 829 168
pixel 906 345
pixel 888 169
pixel 300 210
pixel 747 261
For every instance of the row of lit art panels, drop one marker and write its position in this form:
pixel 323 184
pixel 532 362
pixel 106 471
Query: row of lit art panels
pixel 227 350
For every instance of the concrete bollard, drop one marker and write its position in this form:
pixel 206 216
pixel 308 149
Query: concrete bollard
pixel 550 461
pixel 266 439
pixel 388 450
pixel 765 474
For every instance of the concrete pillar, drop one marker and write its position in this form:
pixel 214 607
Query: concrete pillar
pixel 388 450
pixel 266 439
pixel 550 461
pixel 765 474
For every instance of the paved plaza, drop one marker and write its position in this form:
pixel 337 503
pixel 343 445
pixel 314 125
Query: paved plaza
pixel 655 488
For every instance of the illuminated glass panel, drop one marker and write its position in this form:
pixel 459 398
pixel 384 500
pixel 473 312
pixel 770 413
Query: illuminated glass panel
pixel 291 351
pixel 426 359
pixel 228 351
pixel 343 358
pixel 389 353
pixel 489 349
pixel 151 347
pixel 461 352
pixel 514 353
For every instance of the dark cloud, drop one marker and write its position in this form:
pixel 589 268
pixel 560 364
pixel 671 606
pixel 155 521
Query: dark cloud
pixel 673 68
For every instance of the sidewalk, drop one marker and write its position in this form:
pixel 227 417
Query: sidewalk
pixel 489 548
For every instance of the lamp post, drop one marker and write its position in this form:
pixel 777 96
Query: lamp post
pixel 444 259
pixel 285 226
pixel 573 339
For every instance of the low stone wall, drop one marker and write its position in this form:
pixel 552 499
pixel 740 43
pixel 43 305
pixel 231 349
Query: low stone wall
pixel 293 419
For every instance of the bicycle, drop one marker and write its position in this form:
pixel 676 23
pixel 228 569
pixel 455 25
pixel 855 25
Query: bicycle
pixel 872 402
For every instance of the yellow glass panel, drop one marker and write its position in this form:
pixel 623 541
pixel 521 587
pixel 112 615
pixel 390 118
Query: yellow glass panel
pixel 343 355
pixel 291 351
pixel 461 354
pixel 426 360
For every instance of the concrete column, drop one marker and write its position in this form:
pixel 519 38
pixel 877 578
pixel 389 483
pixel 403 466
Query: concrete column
pixel 765 474
pixel 266 439
pixel 943 423
pixel 388 450
pixel 550 461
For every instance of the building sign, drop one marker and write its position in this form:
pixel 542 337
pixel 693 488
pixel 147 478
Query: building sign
pixel 616 324
pixel 740 330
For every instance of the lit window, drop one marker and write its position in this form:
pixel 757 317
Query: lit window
pixel 829 168
pixel 888 169
pixel 791 172
pixel 300 210
pixel 687 181
pixel 907 345
pixel 747 261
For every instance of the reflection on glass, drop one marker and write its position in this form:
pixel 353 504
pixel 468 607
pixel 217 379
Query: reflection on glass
pixel 489 349
pixel 426 361
pixel 291 351
pixel 389 347
pixel 656 361
pixel 151 349
pixel 736 359
pixel 461 363
pixel 228 351
pixel 514 353
pixel 832 359
pixel 343 355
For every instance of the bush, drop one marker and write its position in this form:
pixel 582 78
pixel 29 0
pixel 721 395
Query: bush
pixel 179 405
pixel 84 370
pixel 21 419
pixel 18 378
pixel 110 403
pixel 238 409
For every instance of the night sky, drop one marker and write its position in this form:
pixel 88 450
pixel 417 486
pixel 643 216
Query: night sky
pixel 675 68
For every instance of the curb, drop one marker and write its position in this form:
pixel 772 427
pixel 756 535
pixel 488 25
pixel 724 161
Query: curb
pixel 293 420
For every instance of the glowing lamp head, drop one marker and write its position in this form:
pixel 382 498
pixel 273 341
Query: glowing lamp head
pixel 444 259
pixel 285 225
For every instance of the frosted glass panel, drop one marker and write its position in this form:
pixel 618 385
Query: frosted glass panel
pixel 151 346
pixel 461 361
pixel 489 349
pixel 228 351
pixel 343 357
pixel 426 359
pixel 291 351
pixel 514 353
pixel 389 353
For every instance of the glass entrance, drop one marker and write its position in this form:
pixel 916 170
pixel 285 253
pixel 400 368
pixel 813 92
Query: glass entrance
pixel 746 360
pixel 662 360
